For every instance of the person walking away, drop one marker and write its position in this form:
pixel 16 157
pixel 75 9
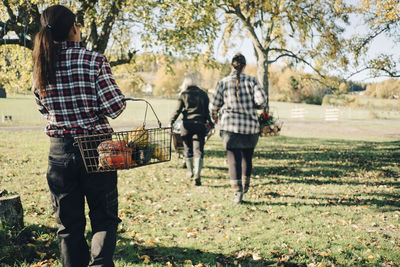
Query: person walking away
pixel 193 104
pixel 237 98
pixel 75 90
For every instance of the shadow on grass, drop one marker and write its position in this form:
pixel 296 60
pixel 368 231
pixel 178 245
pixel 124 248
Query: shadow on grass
pixel 387 202
pixel 31 244
pixel 326 180
pixel 326 162
pixel 384 205
pixel 345 155
pixel 179 256
pixel 324 159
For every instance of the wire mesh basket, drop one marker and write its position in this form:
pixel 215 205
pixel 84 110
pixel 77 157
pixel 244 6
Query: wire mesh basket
pixel 126 149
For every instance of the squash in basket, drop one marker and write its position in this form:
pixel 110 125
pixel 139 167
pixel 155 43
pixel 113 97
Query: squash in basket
pixel 115 159
pixel 137 138
pixel 159 153
pixel 111 145
pixel 114 154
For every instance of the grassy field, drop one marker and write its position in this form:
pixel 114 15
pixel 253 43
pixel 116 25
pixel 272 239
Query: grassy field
pixel 24 112
pixel 313 202
pixel 323 194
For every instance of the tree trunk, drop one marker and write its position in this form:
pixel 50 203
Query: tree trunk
pixel 262 74
pixel 11 212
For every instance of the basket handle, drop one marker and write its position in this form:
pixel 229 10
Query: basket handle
pixel 147 105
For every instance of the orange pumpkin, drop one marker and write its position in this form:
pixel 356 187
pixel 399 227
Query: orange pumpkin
pixel 111 145
pixel 115 159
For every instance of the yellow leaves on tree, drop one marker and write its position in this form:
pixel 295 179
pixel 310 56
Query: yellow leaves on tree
pixel 15 70
pixel 386 10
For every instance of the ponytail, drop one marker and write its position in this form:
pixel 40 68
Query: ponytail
pixel 56 23
pixel 238 63
pixel 44 60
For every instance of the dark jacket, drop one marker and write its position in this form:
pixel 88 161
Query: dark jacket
pixel 193 104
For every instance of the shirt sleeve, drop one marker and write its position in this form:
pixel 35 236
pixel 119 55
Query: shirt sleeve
pixel 109 96
pixel 42 109
pixel 178 110
pixel 218 100
pixel 207 110
pixel 260 97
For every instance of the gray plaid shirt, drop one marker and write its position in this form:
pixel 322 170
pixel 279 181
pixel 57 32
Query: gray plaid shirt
pixel 238 114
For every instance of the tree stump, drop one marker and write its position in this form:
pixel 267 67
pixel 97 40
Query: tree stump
pixel 11 212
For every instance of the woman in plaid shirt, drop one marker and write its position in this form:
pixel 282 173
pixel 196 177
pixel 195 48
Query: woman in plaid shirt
pixel 237 98
pixel 75 91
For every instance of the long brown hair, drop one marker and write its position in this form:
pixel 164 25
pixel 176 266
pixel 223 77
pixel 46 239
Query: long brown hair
pixel 238 63
pixel 56 23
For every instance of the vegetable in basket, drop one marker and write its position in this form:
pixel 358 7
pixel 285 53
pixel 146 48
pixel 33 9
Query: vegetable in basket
pixel 143 155
pixel 137 138
pixel 159 153
pixel 114 155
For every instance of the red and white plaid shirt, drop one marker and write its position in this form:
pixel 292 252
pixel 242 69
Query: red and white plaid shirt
pixel 84 93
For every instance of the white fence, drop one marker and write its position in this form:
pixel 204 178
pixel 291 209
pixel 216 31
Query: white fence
pixel 297 113
pixel 331 114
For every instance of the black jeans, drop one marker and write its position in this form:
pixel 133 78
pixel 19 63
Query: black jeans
pixel 193 136
pixel 69 185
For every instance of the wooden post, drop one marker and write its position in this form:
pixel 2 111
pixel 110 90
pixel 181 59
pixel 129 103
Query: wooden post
pixel 11 211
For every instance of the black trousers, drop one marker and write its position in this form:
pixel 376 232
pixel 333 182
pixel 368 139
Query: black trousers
pixel 69 186
pixel 240 164
pixel 193 136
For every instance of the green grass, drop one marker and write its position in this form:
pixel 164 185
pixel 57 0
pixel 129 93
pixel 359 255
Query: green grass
pixel 313 202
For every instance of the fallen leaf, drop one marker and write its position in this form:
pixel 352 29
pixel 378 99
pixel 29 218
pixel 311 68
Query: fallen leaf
pixel 145 258
pixel 257 257
pixel 324 253
pixel 150 242
pixel 242 254
pixel 190 234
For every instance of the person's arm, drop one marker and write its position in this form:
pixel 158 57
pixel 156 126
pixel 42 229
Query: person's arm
pixel 207 110
pixel 260 97
pixel 217 102
pixel 110 98
pixel 178 111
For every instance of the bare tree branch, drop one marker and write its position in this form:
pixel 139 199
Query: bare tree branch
pixel 291 54
pixel 131 54
pixel 256 42
pixel 371 37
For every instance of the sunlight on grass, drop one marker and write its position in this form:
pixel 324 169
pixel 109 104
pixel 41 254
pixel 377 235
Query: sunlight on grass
pixel 312 201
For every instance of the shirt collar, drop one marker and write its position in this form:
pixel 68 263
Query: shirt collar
pixel 70 44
